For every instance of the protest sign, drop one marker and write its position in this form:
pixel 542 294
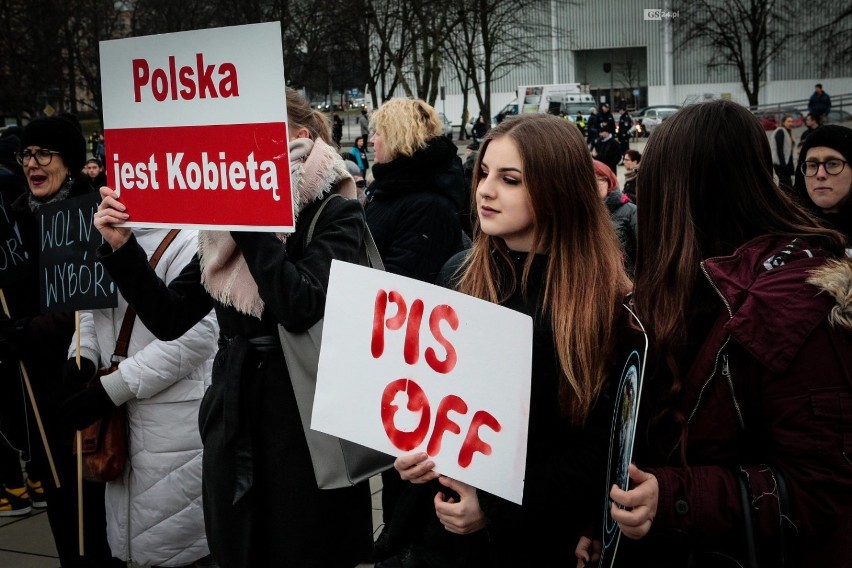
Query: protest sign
pixel 633 350
pixel 195 126
pixel 71 277
pixel 407 366
pixel 13 257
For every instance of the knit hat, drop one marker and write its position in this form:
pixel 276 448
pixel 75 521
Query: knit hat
pixel 60 134
pixel 352 168
pixel 831 136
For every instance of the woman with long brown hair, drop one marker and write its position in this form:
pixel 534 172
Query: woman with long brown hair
pixel 543 245
pixel 744 451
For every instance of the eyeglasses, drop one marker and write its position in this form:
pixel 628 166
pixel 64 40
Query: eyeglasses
pixel 42 156
pixel 832 167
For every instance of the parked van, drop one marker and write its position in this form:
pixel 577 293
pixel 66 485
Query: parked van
pixel 553 99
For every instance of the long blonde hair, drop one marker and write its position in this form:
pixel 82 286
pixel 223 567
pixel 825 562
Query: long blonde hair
pixel 585 278
pixel 405 125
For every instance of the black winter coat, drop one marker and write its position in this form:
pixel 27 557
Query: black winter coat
pixel 623 214
pixel 414 209
pixel 250 425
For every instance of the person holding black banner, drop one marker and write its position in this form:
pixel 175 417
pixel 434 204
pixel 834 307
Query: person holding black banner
pixel 544 246
pixel 746 300
pixel 52 154
pixel 262 505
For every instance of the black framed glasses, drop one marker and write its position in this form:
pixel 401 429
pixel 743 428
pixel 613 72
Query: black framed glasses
pixel 42 156
pixel 832 167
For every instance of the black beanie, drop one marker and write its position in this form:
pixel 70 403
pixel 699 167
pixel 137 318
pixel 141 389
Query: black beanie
pixel 60 134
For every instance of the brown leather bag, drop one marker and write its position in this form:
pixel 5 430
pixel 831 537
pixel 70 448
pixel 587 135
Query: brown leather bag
pixel 105 441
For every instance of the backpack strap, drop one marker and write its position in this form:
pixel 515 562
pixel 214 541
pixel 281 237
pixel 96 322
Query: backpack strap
pixel 369 254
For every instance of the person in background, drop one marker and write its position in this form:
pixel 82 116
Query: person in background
pixel 631 161
pixel 545 247
pixel 811 124
pixel 782 152
pixel 606 119
pixel 52 154
pixel 745 299
pixel 364 125
pixel 336 129
pixel 607 149
pixel 152 510
pixel 819 104
pixel 593 128
pixel 260 495
pixel 621 210
pixel 359 153
pixel 824 177
pixel 625 123
pixel 94 171
pixel 414 210
pixel 470 152
pixel 480 129
pixel 360 182
pixel 17 495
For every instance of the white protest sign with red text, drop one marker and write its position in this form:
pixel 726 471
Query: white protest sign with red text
pixel 407 367
pixel 196 128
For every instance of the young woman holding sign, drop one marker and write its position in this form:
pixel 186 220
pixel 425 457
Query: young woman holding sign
pixel 261 501
pixel 543 245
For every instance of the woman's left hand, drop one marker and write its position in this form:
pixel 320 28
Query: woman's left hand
pixel 640 504
pixel 462 516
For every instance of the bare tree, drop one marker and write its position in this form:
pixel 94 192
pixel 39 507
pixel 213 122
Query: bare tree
pixel 744 34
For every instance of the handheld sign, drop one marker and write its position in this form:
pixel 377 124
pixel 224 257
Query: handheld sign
pixel 407 366
pixel 13 257
pixel 70 276
pixel 633 349
pixel 195 126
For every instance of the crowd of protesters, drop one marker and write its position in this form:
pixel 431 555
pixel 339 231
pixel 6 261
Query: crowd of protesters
pixel 730 249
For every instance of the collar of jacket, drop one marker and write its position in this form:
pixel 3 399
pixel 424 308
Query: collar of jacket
pixel 415 171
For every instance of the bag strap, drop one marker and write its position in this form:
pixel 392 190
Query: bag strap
pixel 369 255
pixel 122 344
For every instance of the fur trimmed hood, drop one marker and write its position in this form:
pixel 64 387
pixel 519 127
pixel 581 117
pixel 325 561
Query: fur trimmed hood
pixel 835 277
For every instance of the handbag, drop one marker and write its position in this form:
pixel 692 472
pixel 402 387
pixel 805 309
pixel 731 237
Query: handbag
pixel 104 445
pixel 337 463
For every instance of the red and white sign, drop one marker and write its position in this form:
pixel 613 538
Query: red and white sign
pixel 195 128
pixel 407 367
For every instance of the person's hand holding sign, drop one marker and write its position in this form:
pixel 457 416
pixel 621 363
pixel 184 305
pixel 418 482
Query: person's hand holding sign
pixel 460 513
pixel 416 468
pixel 110 212
pixel 640 504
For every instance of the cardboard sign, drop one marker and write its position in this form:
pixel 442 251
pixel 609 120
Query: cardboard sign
pixel 70 276
pixel 407 366
pixel 633 349
pixel 195 127
pixel 13 256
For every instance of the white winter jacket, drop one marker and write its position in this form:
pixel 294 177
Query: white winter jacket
pixel 154 514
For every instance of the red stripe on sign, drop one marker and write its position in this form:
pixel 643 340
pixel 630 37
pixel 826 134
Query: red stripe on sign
pixel 225 175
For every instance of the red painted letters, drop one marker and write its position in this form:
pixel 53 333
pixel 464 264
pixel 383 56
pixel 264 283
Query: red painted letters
pixel 185 82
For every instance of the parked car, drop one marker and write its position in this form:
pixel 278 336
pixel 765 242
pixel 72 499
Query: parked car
pixel 837 116
pixel 448 126
pixel 771 118
pixel 652 116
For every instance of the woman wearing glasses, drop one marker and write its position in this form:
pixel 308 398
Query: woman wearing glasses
pixel 824 176
pixel 743 447
pixel 52 155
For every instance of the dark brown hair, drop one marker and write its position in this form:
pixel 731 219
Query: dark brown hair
pixel 301 115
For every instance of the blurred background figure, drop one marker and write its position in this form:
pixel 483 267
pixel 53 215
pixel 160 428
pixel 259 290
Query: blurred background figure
pixel 782 152
pixel 607 148
pixel 480 129
pixel 625 124
pixel 631 161
pixel 359 154
pixel 622 212
pixel 819 104
pixel 336 129
pixel 95 175
pixel 811 124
